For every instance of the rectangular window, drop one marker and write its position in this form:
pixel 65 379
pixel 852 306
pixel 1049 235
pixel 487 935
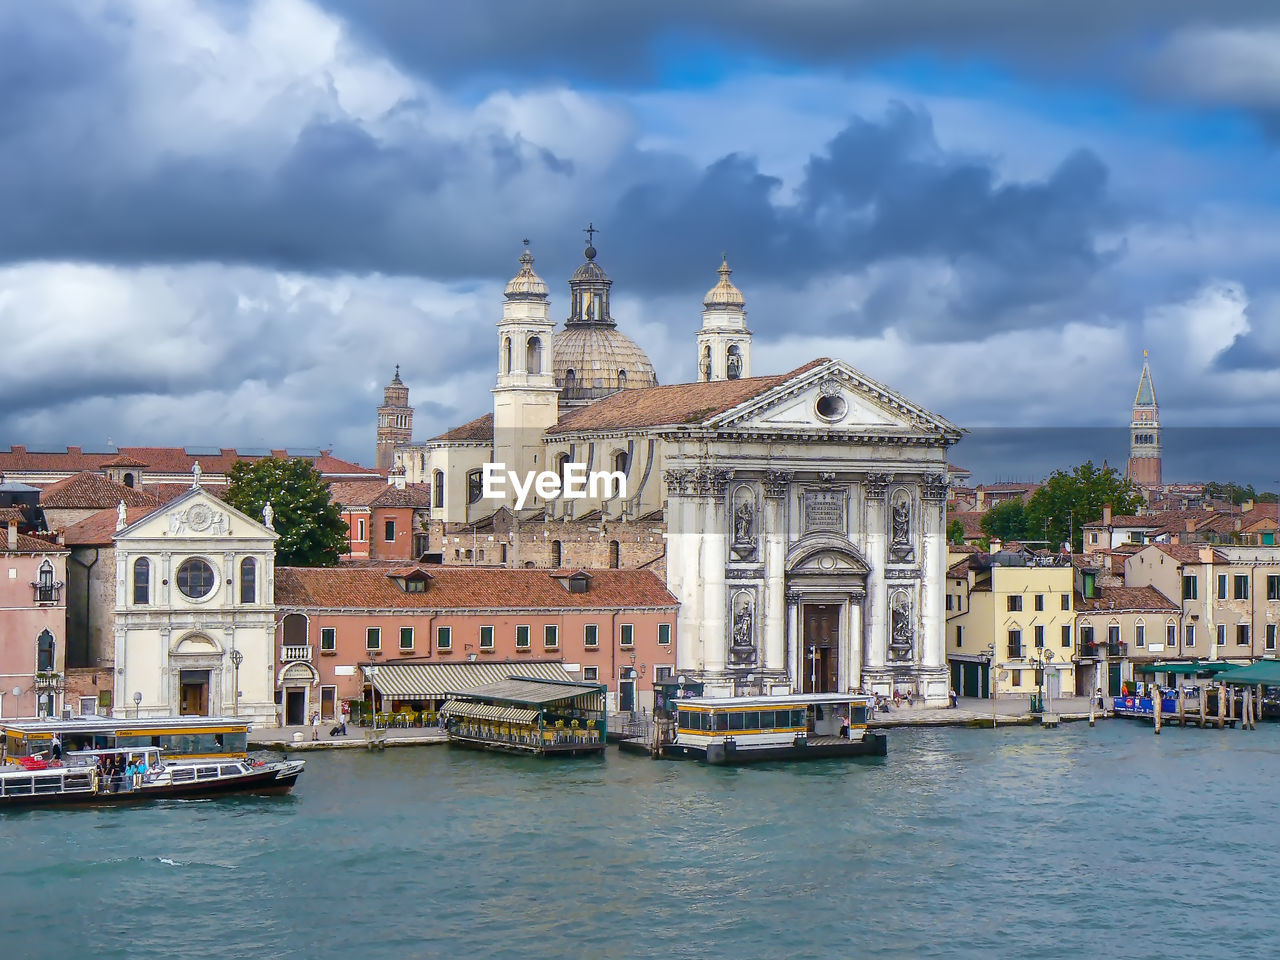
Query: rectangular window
pixel 1190 588
pixel 591 673
pixel 360 529
pixel 1273 586
pixel 1066 601
pixel 142 581
pixel 663 673
pixel 1015 644
pixel 1190 637
pixel 949 598
pixel 1140 635
pixel 626 634
pixel 522 638
pixel 1222 586
pixel 486 638
pixel 389 531
pixel 444 638
pixel 1015 678
pixel 328 639
pixel 664 633
pixel 591 635
pixel 959 635
pixel 406 638
pixel 1013 603
pixel 373 638
pixel 551 636
pixel 1222 634
pixel 1039 601
pixel 1066 635
pixel 1039 636
pixel 1240 587
pixel 1242 634
pixel 1171 635
pixel 1271 636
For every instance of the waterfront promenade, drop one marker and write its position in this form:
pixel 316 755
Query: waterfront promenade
pixel 283 738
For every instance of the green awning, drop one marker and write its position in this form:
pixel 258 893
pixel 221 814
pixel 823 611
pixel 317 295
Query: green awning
pixel 1265 672
pixel 1188 668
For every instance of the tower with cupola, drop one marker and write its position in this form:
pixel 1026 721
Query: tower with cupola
pixel 1144 467
pixel 395 421
pixel 724 342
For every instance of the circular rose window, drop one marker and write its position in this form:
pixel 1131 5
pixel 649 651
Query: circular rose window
pixel 195 578
pixel 832 407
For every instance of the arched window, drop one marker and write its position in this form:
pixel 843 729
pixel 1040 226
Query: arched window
pixel 621 461
pixel 437 489
pixel 506 354
pixel 562 462
pixel 533 356
pixel 46 591
pixel 142 580
pixel 128 479
pixel 705 366
pixel 615 554
pixel 570 379
pixel 295 630
pixel 248 580
pixel 475 486
pixel 733 362
pixel 622 379
pixel 555 553
pixel 44 652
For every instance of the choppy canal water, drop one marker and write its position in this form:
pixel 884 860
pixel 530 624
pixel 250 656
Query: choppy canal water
pixel 1026 843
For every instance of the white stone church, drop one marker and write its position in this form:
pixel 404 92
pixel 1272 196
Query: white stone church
pixel 804 512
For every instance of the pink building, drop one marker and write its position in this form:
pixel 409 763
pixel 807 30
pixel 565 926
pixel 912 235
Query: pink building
pixel 616 627
pixel 33 623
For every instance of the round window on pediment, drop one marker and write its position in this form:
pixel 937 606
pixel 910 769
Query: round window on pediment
pixel 831 407
pixel 196 578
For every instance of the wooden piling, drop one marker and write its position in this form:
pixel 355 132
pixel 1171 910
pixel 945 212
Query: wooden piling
pixel 1156 704
pixel 1222 705
pixel 1182 706
pixel 1093 703
pixel 1204 695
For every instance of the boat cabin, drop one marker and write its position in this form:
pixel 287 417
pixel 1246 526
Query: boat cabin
pixel 172 736
pixel 529 715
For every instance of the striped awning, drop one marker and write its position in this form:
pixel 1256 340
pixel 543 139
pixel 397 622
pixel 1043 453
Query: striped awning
pixel 489 711
pixel 437 681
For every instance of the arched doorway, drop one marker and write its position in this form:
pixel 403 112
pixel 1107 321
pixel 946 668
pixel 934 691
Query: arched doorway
pixel 195 676
pixel 296 683
pixel 825 588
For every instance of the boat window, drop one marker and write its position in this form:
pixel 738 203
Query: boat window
pixel 735 720
pixel 230 771
pixel 766 719
pixel 858 715
pixel 797 717
pixel 721 721
pixel 683 719
pixel 204 773
pixel 16 785
pixel 177 774
pixel 751 720
pixel 48 784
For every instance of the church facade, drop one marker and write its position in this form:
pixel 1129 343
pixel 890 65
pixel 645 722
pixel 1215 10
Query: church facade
pixel 803 512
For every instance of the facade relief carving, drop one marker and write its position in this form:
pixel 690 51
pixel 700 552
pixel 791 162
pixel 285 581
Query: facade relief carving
pixel 902 632
pixel 901 548
pixel 744 524
pixel 742 643
pixel 777 483
pixel 934 486
pixel 877 485
pixel 824 510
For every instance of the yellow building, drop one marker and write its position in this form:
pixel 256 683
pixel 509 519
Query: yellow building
pixel 1014 609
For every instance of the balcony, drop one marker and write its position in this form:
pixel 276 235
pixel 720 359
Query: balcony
pixel 295 652
pixel 47 591
pixel 1120 648
pixel 1016 651
pixel 1088 650
pixel 48 681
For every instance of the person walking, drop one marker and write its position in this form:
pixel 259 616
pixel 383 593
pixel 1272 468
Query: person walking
pixel 315 724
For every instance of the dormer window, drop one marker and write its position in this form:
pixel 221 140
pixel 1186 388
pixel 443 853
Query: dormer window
pixel 415 581
pixel 579 582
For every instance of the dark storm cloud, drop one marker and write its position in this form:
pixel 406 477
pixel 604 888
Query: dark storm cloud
pixel 622 42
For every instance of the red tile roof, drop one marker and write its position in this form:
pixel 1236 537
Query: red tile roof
pixel 462 588
pixel 674 404
pixel 1120 599
pixel 158 460
pixel 970 519
pixel 379 493
pixel 124 460
pixel 28 544
pixel 97 530
pixel 1184 553
pixel 11 513
pixel 93 491
pixel 481 428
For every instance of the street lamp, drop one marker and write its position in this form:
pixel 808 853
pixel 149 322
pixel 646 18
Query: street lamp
pixel 1044 657
pixel 991 679
pixel 1047 657
pixel 237 658
pixel 137 704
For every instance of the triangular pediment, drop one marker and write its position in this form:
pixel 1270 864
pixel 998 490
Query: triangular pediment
pixel 835 397
pixel 196 515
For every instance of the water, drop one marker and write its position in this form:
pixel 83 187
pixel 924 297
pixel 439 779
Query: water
pixel 1075 843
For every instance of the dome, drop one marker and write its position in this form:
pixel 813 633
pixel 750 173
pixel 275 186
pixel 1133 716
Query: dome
pixel 526 284
pixel 594 361
pixel 724 294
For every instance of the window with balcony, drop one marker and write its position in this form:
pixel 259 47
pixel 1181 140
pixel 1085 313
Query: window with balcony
pixel 664 633
pixel 142 581
pixel 522 637
pixel 1015 644
pixel 406 638
pixel 328 639
pixel 373 638
pixel 626 635
pixel 444 638
pixel 1240 587
pixel 248 580
pixel 46 590
pixel 1113 640
pixel 550 636
pixel 1013 603
pixel 1088 648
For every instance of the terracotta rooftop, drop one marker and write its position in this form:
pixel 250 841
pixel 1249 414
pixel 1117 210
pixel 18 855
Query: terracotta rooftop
pixel 671 405
pixel 1184 553
pixel 462 588
pixel 1115 599
pixel 379 493
pixel 970 519
pixel 481 428
pixel 93 491
pixel 162 459
pixel 124 460
pixel 11 513
pixel 28 544
pixel 97 530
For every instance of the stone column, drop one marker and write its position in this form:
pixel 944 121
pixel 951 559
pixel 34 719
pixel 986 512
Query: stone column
pixel 876 609
pixel 682 570
pixel 854 639
pixel 795 659
pixel 777 625
pixel 935 681
pixel 711 485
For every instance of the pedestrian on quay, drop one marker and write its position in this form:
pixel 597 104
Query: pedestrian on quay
pixel 955 700
pixel 315 724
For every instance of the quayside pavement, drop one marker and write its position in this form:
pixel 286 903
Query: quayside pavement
pixel 299 738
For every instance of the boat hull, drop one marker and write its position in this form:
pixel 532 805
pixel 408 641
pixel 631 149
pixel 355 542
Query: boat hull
pixel 871 745
pixel 260 783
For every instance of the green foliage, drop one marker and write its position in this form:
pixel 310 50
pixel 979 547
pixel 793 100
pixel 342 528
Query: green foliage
pixel 1007 521
pixel 955 532
pixel 1068 501
pixel 312 531
pixel 1237 494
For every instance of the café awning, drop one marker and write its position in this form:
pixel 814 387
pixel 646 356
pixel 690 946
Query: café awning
pixel 489 711
pixel 438 681
pixel 1265 672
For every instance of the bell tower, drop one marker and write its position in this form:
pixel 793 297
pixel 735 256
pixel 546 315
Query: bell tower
pixel 724 342
pixel 395 421
pixel 1144 467
pixel 525 398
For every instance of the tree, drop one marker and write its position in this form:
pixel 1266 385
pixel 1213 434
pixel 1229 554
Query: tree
pixel 1068 501
pixel 312 531
pixel 955 532
pixel 1006 521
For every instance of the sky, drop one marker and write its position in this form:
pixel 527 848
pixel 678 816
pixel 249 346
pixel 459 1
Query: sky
pixel 224 222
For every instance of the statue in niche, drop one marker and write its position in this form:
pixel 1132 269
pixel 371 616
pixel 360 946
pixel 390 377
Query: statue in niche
pixel 743 522
pixel 741 639
pixel 901 635
pixel 901 522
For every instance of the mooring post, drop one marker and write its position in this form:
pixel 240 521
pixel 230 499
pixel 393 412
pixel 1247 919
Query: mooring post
pixel 1182 706
pixel 1093 703
pixel 1222 705
pixel 1156 704
pixel 1203 695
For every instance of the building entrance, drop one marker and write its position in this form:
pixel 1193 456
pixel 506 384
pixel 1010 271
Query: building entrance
pixel 821 672
pixel 194 693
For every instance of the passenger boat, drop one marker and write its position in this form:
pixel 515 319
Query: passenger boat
pixel 174 737
pixel 78 778
pixel 733 730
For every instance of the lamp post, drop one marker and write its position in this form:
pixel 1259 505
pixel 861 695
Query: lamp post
pixel 237 658
pixel 137 704
pixel 991 679
pixel 373 689
pixel 1047 657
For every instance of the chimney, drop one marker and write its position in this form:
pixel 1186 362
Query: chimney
pixel 13 534
pixel 996 544
pixel 1106 514
pixel 1206 554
